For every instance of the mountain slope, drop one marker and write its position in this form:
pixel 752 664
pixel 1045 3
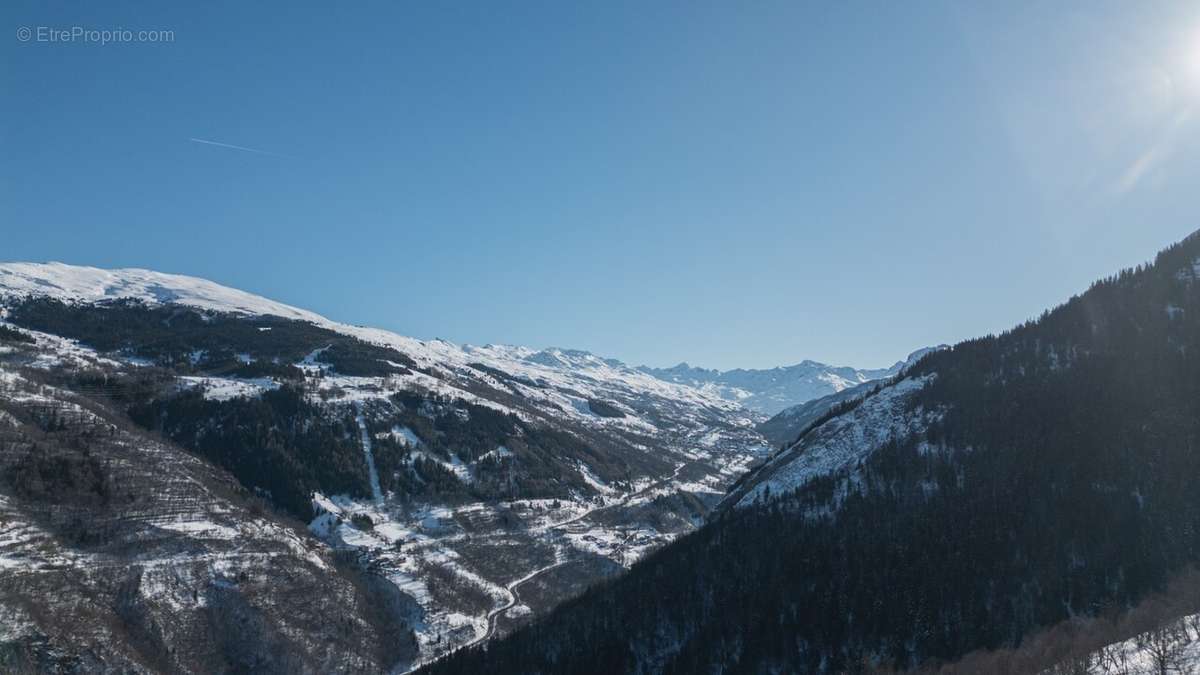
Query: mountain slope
pixel 122 553
pixel 788 424
pixel 453 472
pixel 1000 486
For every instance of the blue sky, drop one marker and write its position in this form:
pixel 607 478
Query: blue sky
pixel 732 184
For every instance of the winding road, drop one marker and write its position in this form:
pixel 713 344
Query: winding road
pixel 511 587
pixel 513 599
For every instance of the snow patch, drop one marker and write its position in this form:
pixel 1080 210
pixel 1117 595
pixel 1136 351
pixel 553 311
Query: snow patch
pixel 844 440
pixel 226 388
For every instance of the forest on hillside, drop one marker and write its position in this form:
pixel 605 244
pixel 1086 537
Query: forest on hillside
pixel 1059 482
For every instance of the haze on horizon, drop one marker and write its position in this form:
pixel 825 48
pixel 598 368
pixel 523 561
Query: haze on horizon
pixel 727 186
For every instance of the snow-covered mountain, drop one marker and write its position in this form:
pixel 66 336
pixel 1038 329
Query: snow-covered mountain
pixel 92 284
pixel 841 442
pixel 786 426
pixel 766 391
pixel 464 475
pixel 773 390
pixel 560 381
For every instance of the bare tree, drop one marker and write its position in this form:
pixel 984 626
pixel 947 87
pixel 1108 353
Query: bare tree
pixel 1113 659
pixel 1165 648
pixel 1193 622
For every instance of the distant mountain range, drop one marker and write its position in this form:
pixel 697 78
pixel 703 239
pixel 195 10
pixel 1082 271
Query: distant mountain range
pixel 771 391
pixel 765 391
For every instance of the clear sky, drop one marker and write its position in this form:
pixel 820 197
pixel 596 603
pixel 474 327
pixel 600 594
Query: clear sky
pixel 731 184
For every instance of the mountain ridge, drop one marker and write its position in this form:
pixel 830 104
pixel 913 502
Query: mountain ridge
pixel 770 391
pixel 762 391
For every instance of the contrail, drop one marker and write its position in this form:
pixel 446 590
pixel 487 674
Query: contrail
pixel 238 147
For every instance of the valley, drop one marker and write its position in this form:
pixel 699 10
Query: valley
pixel 1011 504
pixel 461 503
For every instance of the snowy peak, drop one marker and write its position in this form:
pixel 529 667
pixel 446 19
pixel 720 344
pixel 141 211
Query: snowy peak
pixel 569 358
pixel 92 284
pixel 917 356
pixel 683 373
